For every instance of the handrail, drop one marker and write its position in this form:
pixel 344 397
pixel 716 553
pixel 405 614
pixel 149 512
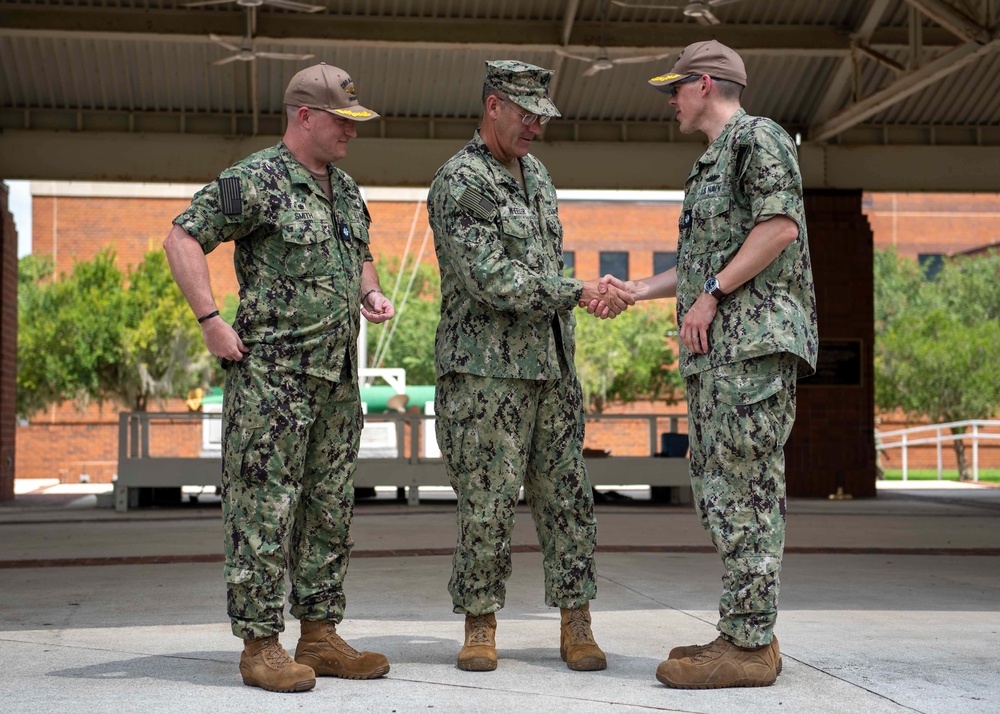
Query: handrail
pixel 133 430
pixel 939 438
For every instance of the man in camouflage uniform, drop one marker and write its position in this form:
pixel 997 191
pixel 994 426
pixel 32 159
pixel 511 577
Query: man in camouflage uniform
pixel 292 410
pixel 747 314
pixel 508 402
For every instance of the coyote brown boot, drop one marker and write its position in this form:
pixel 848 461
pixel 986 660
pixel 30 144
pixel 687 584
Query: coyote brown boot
pixel 723 664
pixel 265 664
pixel 479 653
pixel 577 646
pixel 325 651
pixel 692 650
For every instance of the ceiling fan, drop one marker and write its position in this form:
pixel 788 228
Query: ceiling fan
pixel 700 10
pixel 602 61
pixel 283 4
pixel 244 52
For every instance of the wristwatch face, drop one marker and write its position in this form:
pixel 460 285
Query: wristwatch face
pixel 711 285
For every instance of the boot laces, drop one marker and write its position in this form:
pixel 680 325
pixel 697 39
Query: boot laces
pixel 579 628
pixel 715 648
pixel 340 643
pixel 480 631
pixel 275 655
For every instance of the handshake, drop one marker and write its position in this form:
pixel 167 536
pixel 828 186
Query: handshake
pixel 607 297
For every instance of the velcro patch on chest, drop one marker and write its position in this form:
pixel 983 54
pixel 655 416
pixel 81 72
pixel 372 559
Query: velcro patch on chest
pixel 476 203
pixel 230 196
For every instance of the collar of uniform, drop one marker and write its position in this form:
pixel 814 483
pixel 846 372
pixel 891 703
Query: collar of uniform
pixel 500 174
pixel 711 154
pixel 297 172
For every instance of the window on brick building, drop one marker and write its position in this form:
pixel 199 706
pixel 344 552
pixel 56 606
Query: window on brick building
pixel 616 263
pixel 931 264
pixel 569 263
pixel 663 261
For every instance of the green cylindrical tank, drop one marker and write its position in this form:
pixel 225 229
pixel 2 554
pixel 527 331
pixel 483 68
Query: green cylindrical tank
pixel 377 396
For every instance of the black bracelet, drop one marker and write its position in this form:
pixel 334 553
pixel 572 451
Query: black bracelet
pixel 373 290
pixel 209 316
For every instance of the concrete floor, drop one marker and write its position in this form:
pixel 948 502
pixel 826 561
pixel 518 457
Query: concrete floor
pixel 887 605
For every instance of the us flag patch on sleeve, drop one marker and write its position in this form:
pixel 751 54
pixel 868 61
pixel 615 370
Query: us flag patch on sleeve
pixel 476 203
pixel 230 197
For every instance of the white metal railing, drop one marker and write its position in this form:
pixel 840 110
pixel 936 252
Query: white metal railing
pixel 901 439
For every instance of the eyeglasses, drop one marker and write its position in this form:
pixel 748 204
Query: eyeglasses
pixel 675 85
pixel 527 119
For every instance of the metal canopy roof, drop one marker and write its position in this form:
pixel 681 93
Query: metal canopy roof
pixel 875 76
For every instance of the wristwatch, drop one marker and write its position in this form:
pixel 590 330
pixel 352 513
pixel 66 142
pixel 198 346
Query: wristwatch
pixel 713 289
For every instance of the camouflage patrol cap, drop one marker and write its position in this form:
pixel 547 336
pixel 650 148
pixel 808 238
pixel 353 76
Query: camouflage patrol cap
pixel 710 57
pixel 329 88
pixel 525 84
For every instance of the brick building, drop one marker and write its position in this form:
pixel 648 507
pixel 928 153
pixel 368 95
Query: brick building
pixel 627 233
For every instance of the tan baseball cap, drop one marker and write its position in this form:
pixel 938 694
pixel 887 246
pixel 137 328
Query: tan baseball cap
pixel 329 88
pixel 710 57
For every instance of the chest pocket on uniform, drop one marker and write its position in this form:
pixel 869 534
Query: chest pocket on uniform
pixel 710 224
pixel 519 239
pixel 308 248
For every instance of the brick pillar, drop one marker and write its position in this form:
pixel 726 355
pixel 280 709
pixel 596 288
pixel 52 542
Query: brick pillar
pixel 8 345
pixel 833 444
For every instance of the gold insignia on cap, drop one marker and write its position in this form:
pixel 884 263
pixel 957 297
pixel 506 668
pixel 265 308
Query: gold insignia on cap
pixel 352 113
pixel 665 78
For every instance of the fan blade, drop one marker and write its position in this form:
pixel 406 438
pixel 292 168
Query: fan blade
pixel 719 3
pixel 282 56
pixel 569 55
pixel 290 5
pixel 707 18
pixel 644 6
pixel 594 69
pixel 226 60
pixel 206 2
pixel 228 45
pixel 644 58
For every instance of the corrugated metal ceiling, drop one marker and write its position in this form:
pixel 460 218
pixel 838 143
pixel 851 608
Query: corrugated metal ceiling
pixel 46 70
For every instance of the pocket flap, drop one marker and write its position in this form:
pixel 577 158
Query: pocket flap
pixel 747 389
pixel 306 232
pixel 710 207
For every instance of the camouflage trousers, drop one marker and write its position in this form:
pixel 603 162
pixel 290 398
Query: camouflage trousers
pixel 496 434
pixel 741 415
pixel 290 444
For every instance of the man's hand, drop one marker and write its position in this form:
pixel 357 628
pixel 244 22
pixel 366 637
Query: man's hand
pixel 376 308
pixel 615 299
pixel 600 306
pixel 222 340
pixel 697 321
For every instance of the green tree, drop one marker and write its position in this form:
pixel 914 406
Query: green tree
pixel 937 355
pixel 163 351
pixel 897 282
pixel 628 358
pixel 408 339
pixel 99 334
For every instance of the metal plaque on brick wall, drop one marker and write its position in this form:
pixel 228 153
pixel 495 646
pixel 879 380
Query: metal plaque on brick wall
pixel 837 364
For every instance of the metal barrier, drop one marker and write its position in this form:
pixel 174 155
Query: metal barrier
pixel 403 466
pixel 904 441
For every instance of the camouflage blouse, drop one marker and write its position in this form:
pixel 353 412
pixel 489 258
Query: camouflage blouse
pixel 749 173
pixel 505 304
pixel 298 257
